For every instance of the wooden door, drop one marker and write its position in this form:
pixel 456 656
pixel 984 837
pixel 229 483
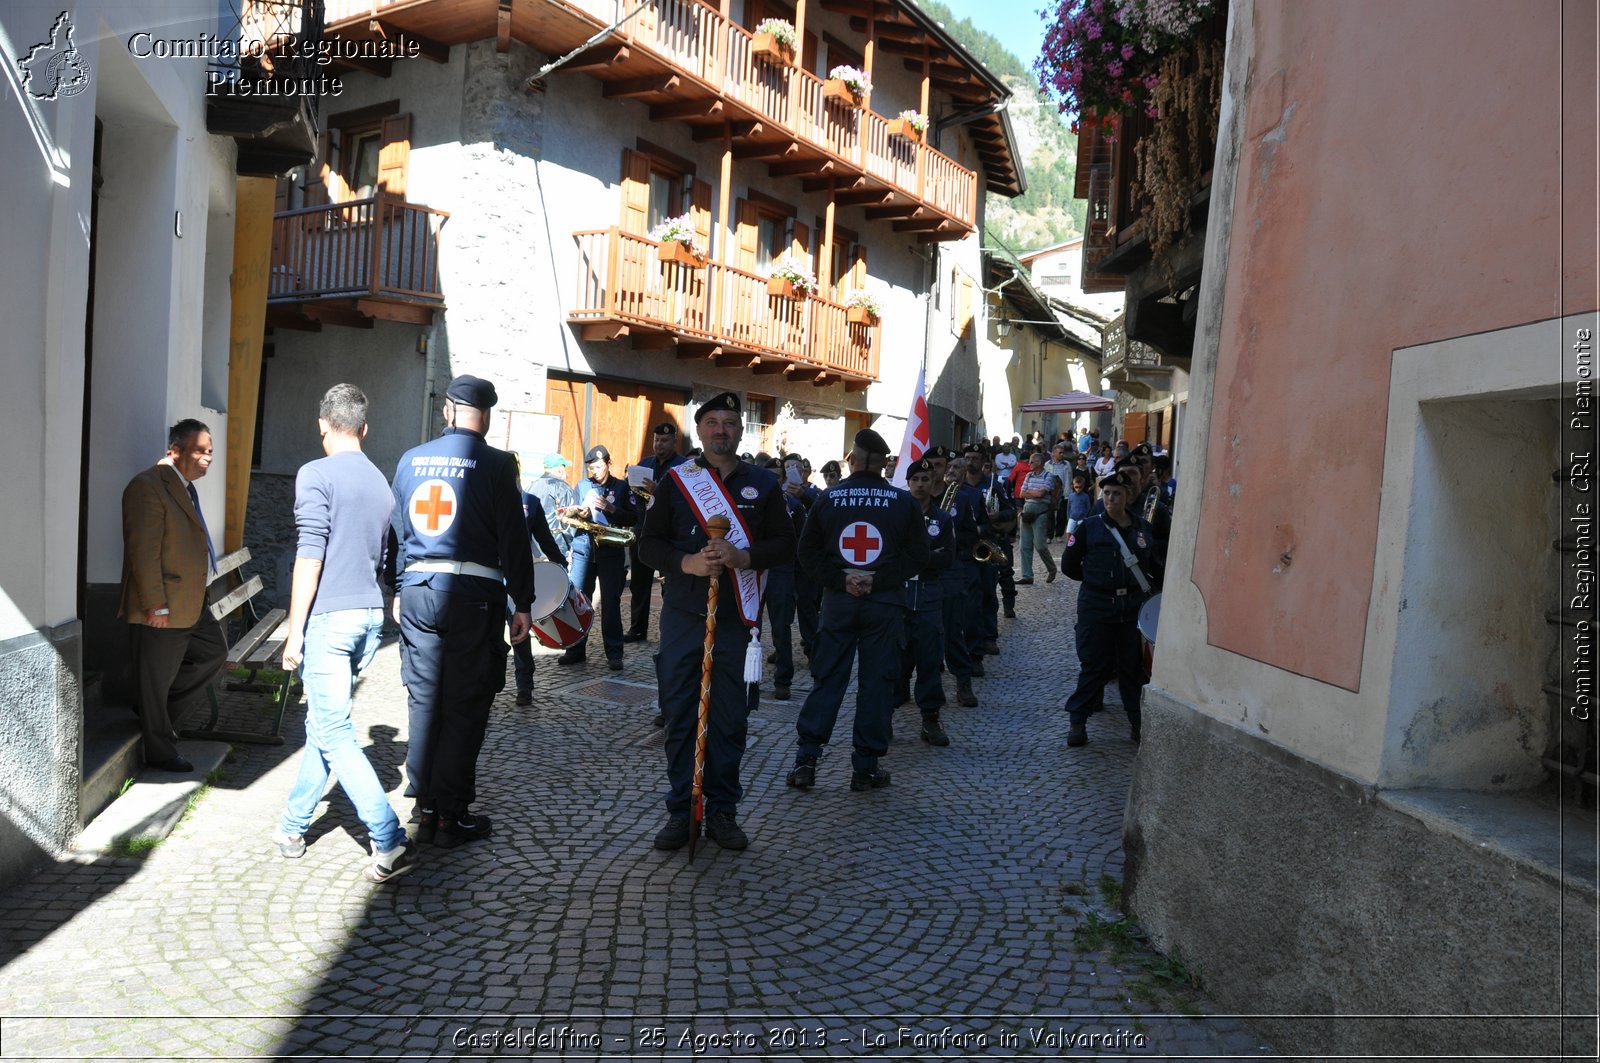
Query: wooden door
pixel 1133 429
pixel 568 399
pixel 854 421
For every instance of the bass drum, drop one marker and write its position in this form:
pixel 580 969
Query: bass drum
pixel 561 613
pixel 1149 620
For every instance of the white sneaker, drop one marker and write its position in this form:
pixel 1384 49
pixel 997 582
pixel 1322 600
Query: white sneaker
pixel 387 863
pixel 290 846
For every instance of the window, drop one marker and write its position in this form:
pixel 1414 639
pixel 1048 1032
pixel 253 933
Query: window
pixel 361 153
pixel 847 270
pixel 759 413
pixel 657 185
pixel 963 303
pixel 841 53
pixel 358 161
pixel 767 230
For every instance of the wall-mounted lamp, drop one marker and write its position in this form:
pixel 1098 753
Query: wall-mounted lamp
pixel 1002 325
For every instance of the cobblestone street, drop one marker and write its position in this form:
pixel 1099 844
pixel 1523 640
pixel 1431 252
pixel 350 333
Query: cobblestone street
pixel 969 908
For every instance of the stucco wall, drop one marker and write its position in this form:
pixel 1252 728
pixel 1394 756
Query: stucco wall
pixel 1296 440
pixel 1381 216
pixel 382 361
pixel 156 302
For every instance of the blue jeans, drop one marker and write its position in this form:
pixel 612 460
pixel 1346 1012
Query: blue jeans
pixel 338 646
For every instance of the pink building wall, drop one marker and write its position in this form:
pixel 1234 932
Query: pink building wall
pixel 1365 221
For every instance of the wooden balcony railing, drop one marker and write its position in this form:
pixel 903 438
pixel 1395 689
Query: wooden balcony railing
pixel 621 279
pixel 697 41
pixel 379 247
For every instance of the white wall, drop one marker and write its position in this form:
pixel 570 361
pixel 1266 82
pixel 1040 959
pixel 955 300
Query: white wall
pixel 150 287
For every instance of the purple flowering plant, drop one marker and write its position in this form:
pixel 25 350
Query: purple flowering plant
pixel 1102 56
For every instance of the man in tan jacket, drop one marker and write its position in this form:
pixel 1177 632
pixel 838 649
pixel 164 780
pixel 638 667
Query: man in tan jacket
pixel 167 560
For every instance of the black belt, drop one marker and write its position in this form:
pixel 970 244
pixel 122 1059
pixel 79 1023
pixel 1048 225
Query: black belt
pixel 1116 592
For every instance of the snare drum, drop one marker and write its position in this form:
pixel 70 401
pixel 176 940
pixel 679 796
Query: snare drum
pixel 1149 621
pixel 561 614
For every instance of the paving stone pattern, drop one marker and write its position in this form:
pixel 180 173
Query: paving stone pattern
pixel 936 917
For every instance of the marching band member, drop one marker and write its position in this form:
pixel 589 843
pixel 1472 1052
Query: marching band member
pixel 602 499
pixel 673 541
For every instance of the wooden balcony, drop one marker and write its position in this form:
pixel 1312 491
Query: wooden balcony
pixel 353 262
pixel 717 311
pixel 689 64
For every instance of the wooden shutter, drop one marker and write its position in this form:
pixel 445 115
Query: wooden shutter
pixel 700 211
pixel 1133 429
pixel 858 269
pixel 635 192
pixel 317 172
pixel 749 222
pixel 800 241
pixel 280 195
pixel 333 184
pixel 963 307
pixel 394 154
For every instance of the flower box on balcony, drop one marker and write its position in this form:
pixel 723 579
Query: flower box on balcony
pixel 860 315
pixel 835 89
pixel 781 286
pixel 768 48
pixel 902 128
pixel 681 253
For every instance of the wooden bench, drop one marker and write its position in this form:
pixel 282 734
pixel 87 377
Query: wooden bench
pixel 258 649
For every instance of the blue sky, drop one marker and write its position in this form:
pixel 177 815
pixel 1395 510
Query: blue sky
pixel 1015 22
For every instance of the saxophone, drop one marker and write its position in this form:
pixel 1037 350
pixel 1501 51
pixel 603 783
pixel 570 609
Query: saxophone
pixel 603 533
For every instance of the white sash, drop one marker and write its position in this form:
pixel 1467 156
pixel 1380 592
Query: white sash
pixel 707 497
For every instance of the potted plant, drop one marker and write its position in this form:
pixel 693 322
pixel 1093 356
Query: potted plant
pixel 774 42
pixel 790 279
pixel 848 84
pixel 910 125
pixel 678 244
pixel 862 307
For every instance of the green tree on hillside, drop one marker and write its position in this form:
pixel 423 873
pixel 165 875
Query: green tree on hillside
pixel 1047 213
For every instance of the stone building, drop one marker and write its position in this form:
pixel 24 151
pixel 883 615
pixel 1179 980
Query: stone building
pixel 469 213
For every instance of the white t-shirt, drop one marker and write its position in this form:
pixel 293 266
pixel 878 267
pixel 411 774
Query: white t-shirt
pixel 1105 467
pixel 1004 463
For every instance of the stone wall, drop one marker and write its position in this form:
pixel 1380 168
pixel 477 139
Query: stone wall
pixel 1294 891
pixel 269 535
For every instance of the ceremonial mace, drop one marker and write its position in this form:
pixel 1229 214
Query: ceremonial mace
pixel 716 529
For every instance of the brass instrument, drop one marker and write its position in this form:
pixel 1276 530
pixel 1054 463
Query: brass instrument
pixel 603 533
pixel 949 494
pixel 983 552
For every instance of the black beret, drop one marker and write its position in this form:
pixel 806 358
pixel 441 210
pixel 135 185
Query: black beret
pixel 725 401
pixel 922 464
pixel 830 466
pixel 869 442
pixel 1117 479
pixel 666 428
pixel 793 457
pixel 597 453
pixel 472 391
pixel 1144 450
pixel 939 452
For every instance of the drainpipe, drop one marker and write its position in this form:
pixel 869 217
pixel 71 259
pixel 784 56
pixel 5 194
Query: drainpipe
pixel 427 388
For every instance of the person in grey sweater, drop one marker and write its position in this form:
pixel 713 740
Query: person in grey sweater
pixel 341 513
